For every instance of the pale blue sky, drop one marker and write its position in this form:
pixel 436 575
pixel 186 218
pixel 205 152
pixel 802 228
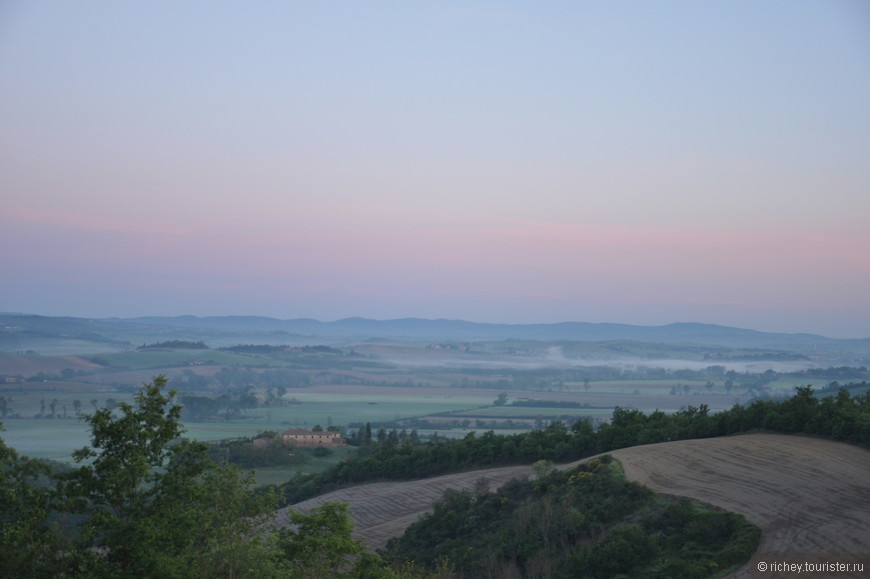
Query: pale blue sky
pixel 633 161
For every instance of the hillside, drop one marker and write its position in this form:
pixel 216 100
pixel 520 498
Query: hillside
pixel 384 510
pixel 806 494
pixel 67 335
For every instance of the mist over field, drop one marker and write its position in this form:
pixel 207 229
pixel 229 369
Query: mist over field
pixel 436 375
pixel 555 359
pixel 516 266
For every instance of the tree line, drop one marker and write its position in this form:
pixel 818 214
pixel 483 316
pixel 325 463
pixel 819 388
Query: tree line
pixel 843 417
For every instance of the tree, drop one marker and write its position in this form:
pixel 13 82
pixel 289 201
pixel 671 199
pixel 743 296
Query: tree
pixel 322 545
pixel 542 468
pixel 159 506
pixel 29 543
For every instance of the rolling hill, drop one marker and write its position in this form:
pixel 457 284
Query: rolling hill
pixel 68 335
pixel 808 495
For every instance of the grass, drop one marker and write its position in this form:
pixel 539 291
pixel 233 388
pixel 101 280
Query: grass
pixel 343 408
pixel 513 411
pixel 281 474
pixel 57 438
pixel 54 439
pixel 158 358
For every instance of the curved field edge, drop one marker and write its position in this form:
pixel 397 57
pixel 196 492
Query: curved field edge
pixel 806 494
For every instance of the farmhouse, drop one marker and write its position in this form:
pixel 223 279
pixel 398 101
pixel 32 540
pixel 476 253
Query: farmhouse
pixel 302 437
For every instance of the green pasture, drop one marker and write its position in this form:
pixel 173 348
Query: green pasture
pixel 157 358
pixel 317 408
pixel 57 438
pixel 515 411
pixel 281 474
pixel 783 385
pixel 54 439
pixel 787 385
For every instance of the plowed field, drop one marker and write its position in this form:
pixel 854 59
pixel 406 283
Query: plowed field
pixel 808 495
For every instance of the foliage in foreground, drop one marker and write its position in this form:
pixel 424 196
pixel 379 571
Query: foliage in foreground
pixel 144 503
pixel 28 539
pixel 585 522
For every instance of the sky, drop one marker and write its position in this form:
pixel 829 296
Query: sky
pixel 519 162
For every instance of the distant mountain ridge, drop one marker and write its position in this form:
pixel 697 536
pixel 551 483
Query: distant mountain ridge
pixel 260 329
pixel 421 328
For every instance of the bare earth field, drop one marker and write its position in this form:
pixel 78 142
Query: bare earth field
pixel 807 495
pixel 381 511
pixel 14 364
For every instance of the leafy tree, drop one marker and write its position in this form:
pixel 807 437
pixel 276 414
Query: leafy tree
pixel 158 506
pixel 322 545
pixel 153 505
pixel 585 522
pixel 542 468
pixel 28 542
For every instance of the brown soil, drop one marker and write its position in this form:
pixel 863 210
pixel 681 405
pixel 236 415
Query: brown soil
pixel 808 495
pixel 14 364
pixel 384 510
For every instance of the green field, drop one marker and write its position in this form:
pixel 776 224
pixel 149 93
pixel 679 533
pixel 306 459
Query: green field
pixel 158 358
pixel 57 438
pixel 514 411
pixel 278 475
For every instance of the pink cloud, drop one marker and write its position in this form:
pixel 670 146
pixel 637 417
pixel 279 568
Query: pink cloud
pixel 443 260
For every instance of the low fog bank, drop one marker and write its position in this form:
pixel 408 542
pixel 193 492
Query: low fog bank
pixel 554 358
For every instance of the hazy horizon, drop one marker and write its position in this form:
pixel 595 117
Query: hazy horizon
pixel 633 162
pixel 433 319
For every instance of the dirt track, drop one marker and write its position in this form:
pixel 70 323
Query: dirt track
pixel 808 495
